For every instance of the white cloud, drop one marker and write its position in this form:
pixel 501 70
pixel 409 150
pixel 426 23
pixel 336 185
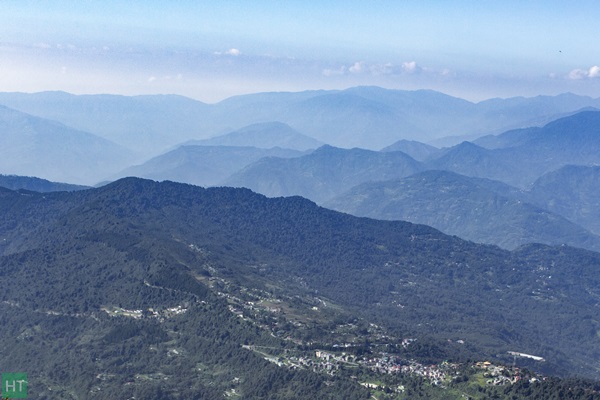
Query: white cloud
pixel 357 67
pixel 577 74
pixel 594 72
pixel 161 80
pixel 410 66
pixel 230 52
pixel 389 69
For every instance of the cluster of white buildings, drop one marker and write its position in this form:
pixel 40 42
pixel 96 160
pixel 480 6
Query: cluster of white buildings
pixel 436 374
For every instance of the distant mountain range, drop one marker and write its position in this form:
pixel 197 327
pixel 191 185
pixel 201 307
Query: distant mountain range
pixel 153 290
pixel 527 154
pixel 324 173
pixel 263 135
pixel 572 191
pixel 202 165
pixel 367 117
pixel 490 211
pixel 36 146
pixel 417 150
pixel 485 207
pixel 267 156
pixel 465 207
pixel 144 124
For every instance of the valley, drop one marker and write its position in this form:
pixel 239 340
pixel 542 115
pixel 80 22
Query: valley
pixel 296 200
pixel 254 287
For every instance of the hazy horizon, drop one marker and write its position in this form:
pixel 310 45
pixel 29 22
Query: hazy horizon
pixel 212 51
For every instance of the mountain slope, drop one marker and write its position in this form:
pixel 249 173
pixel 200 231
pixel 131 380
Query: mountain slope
pixel 38 147
pixel 368 117
pixel 471 160
pixel 324 173
pixel 15 182
pixel 77 314
pixel 538 110
pixel 144 124
pixel 417 150
pixel 571 191
pixel 87 260
pixel 533 152
pixel 350 120
pixel 202 165
pixel 263 135
pixel 461 206
pixel 510 138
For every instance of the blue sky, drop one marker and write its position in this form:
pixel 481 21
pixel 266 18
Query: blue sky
pixel 212 50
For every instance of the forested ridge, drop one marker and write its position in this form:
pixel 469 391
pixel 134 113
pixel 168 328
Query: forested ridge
pixel 165 290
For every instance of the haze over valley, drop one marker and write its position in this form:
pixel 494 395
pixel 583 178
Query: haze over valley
pixel 286 201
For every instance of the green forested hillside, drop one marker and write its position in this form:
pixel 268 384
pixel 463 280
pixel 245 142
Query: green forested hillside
pixel 476 209
pixel 16 182
pixel 571 191
pixel 165 290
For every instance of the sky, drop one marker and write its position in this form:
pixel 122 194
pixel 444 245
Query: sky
pixel 211 50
